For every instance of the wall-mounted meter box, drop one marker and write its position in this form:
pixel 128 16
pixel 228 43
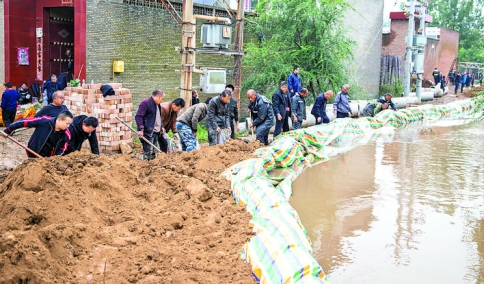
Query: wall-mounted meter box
pixel 216 35
pixel 419 40
pixel 213 80
pixel 419 63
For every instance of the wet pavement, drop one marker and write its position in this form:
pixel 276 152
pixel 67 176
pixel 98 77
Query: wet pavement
pixel 407 211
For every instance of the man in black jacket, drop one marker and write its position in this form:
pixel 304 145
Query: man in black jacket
pixel 83 128
pixel 51 135
pixel 53 109
pixel 281 104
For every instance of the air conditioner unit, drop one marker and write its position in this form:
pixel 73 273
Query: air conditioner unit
pixel 216 35
pixel 213 80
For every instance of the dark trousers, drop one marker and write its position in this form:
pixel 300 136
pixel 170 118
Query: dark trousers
pixel 262 131
pixel 232 135
pixel 324 119
pixel 163 143
pixel 8 116
pixel 462 87
pixel 456 87
pixel 149 153
pixel 282 125
pixel 342 115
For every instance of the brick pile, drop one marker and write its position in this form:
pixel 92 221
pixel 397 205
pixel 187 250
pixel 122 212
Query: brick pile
pixel 88 100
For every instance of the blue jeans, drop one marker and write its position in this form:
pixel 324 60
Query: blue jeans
pixel 187 139
pixel 296 125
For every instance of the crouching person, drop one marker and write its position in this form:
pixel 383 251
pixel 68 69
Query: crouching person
pixel 187 125
pixel 218 117
pixel 83 128
pixel 372 108
pixel 51 135
pixel 262 115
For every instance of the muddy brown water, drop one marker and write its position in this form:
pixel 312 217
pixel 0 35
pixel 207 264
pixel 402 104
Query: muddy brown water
pixel 410 210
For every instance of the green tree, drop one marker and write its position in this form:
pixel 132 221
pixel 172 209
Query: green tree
pixel 465 17
pixel 306 33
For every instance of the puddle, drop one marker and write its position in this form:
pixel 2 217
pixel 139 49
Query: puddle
pixel 407 211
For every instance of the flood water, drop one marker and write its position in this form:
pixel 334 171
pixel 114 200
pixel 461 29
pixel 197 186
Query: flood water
pixel 410 210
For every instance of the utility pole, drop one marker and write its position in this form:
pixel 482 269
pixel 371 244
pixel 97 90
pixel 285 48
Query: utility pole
pixel 238 42
pixel 187 52
pixel 408 58
pixel 421 50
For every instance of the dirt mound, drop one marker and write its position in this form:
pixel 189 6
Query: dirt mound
pixel 115 219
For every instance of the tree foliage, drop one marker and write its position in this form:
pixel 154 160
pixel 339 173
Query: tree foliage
pixel 465 17
pixel 306 33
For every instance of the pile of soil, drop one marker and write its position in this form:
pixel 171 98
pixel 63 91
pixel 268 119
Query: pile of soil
pixel 115 219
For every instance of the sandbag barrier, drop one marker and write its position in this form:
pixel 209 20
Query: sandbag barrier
pixel 281 251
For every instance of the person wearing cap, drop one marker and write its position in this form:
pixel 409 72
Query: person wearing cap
pixel 9 104
pixel 281 104
pixel 298 108
pixel 341 106
pixel 372 108
pixel 387 99
pixel 319 107
pixel 294 82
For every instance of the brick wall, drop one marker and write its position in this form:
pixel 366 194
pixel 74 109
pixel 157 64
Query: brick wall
pixel 2 42
pixel 145 39
pixel 89 100
pixel 440 55
pixel 364 26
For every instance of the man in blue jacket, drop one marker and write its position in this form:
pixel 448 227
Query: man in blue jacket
pixel 341 106
pixel 281 104
pixel 319 107
pixel 294 82
pixel 83 128
pixel 149 122
pixel 51 135
pixel 49 88
pixel 261 114
pixel 463 81
pixel 53 109
pixel 9 104
pixel 387 99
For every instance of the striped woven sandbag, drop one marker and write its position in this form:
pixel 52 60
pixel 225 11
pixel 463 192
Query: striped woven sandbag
pixel 285 151
pixel 257 194
pixel 281 220
pixel 291 264
pixel 244 170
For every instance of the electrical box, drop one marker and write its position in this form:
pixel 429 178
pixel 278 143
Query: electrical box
pixel 216 35
pixel 213 80
pixel 118 66
pixel 419 40
pixel 419 63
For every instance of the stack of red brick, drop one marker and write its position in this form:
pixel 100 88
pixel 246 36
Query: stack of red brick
pixel 89 100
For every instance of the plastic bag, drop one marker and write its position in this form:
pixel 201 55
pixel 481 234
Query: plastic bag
pixel 172 147
pixel 224 136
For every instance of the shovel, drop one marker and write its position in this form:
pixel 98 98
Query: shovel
pixel 20 144
pixel 142 137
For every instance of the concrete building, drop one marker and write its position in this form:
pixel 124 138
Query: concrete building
pixel 364 25
pixel 440 51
